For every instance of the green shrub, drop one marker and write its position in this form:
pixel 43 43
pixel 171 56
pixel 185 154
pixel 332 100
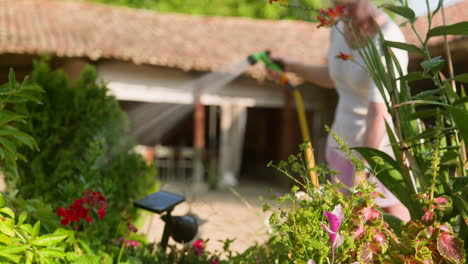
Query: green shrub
pixel 82 136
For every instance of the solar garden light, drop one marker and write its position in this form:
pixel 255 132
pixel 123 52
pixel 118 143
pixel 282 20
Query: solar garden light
pixel 181 228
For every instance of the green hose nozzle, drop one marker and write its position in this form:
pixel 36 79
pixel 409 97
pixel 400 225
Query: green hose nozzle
pixel 265 57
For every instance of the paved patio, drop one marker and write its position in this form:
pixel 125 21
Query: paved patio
pixel 227 214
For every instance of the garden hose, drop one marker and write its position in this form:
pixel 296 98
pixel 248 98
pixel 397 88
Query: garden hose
pixel 283 79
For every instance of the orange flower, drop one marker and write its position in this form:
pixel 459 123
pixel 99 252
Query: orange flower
pixel 329 17
pixel 344 56
pixel 271 1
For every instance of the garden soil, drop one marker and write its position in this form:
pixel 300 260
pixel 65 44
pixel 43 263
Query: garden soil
pixel 229 213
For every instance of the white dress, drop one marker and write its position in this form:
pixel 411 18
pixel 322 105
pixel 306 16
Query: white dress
pixel 356 89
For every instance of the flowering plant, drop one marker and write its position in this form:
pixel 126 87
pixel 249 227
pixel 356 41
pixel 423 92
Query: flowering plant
pixel 79 210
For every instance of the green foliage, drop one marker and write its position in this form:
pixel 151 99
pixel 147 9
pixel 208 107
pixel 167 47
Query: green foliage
pixel 238 8
pixel 12 94
pixel 21 242
pixel 82 136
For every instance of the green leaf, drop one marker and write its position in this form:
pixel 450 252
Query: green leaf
pixel 47 240
pixel 51 253
pixel 87 259
pixel 390 175
pixel 426 94
pixel 6 228
pixel 459 183
pixel 11 79
pixel 463 78
pixel 462 206
pixel 423 114
pixel 8 146
pixel 404 46
pixel 394 143
pixel 10 257
pixel 394 222
pixel 12 249
pixel 85 247
pixel 458 29
pixel 22 217
pixel 19 135
pixel 29 257
pixel 5 239
pixel 434 65
pixel 7 116
pixel 403 11
pixel 35 230
pixel 26 227
pixel 2 200
pixel 7 211
pixel 415 76
pixel 460 117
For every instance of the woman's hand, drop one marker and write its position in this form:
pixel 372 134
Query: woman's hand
pixel 316 74
pixel 283 63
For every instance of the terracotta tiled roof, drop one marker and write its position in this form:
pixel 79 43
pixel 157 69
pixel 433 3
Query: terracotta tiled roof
pixel 453 14
pixel 80 29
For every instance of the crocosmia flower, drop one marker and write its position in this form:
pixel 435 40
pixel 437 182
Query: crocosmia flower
pixel 329 17
pixel 334 219
pixel 344 56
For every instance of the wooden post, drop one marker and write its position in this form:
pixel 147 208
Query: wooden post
pixel 286 127
pixel 198 139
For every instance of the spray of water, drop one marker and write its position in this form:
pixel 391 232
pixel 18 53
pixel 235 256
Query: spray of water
pixel 158 119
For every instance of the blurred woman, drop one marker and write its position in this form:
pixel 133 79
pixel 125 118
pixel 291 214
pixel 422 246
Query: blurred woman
pixel 361 112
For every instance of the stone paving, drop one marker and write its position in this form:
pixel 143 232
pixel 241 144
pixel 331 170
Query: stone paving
pixel 227 213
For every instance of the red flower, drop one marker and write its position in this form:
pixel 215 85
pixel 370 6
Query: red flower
pixel 329 17
pixel 271 1
pixel 199 247
pixel 101 213
pixel 344 56
pixel 78 211
pixel 214 260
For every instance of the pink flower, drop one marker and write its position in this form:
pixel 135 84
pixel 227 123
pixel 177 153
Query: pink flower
pixel 334 219
pixel 199 247
pixel 214 260
pixel 129 242
pixel 442 200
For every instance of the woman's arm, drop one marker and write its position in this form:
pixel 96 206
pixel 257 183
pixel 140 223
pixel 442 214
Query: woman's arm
pixel 375 132
pixel 317 75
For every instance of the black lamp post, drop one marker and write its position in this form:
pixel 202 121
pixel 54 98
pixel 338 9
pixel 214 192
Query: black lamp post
pixel 181 228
